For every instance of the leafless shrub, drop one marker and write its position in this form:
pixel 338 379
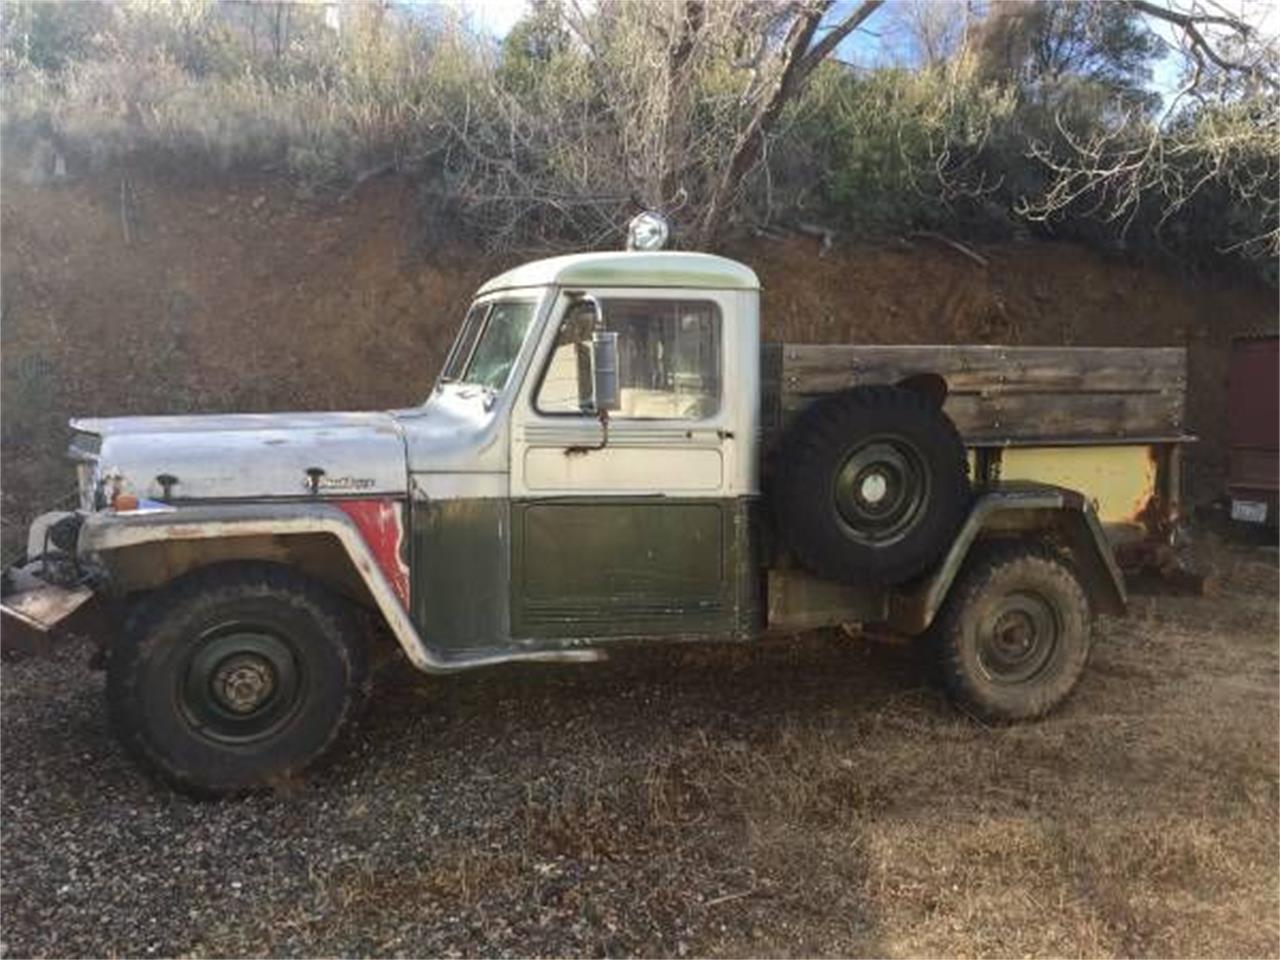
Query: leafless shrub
pixel 669 105
pixel 1112 173
pixel 1218 134
pixel 724 113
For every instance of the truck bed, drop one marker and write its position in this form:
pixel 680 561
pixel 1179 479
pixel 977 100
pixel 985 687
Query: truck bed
pixel 1106 421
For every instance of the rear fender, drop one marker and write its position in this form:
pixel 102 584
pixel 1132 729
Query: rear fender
pixel 1019 510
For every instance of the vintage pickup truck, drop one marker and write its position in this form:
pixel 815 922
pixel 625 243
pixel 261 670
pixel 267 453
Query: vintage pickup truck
pixel 609 454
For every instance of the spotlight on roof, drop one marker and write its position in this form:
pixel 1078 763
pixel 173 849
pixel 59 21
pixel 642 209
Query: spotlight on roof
pixel 647 231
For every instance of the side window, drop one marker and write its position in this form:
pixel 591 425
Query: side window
pixel 668 358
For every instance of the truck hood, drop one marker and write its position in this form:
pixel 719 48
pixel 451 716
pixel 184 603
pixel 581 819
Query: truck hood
pixel 245 456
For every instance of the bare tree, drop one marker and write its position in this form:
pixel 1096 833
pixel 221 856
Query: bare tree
pixel 792 63
pixel 935 30
pixel 1209 32
pixel 666 105
pixel 1220 130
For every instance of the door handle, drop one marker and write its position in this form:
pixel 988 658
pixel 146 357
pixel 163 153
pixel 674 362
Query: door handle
pixel 580 449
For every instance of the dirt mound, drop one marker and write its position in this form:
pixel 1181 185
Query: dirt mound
pixel 148 297
pixel 146 294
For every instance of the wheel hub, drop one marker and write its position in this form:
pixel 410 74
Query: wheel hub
pixel 874 487
pixel 1018 638
pixel 1015 633
pixel 880 490
pixel 244 682
pixel 241 683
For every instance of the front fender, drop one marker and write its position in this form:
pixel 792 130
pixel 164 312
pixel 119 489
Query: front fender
pixel 105 535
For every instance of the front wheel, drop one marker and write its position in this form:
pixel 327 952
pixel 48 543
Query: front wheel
pixel 1014 634
pixel 235 678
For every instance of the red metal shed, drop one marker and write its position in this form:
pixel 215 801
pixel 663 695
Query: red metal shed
pixel 1253 428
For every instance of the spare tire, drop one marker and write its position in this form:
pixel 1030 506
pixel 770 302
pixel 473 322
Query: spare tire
pixel 873 484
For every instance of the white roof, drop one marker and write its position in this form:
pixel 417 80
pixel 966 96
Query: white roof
pixel 630 269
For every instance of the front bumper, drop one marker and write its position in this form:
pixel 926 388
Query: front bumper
pixel 32 609
pixel 39 596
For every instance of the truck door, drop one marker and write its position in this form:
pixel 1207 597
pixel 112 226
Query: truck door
pixel 626 528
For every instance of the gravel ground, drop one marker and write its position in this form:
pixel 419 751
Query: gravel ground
pixel 807 798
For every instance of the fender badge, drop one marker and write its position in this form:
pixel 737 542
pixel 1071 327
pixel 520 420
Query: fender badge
pixel 317 481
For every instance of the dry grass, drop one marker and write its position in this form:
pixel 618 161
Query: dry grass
pixel 807 798
pixel 1140 820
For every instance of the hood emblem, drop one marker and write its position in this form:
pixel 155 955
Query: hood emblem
pixel 317 480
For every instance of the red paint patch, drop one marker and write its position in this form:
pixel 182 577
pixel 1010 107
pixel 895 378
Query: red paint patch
pixel 381 524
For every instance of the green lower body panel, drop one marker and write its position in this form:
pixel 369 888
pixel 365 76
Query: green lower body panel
pixel 630 567
pixel 461 573
pixel 492 573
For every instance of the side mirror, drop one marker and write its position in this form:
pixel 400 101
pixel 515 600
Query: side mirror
pixel 604 370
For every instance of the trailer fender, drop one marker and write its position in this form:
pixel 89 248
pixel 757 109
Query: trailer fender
pixel 1019 509
pixel 107 539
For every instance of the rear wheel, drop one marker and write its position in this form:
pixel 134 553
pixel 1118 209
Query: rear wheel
pixel 1014 635
pixel 235 678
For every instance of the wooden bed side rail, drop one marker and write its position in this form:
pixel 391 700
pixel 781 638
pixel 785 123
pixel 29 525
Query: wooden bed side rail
pixel 1000 394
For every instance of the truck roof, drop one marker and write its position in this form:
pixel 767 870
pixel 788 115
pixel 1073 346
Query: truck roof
pixel 629 269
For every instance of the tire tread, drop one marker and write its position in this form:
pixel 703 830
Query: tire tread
pixel 989 562
pixel 143 626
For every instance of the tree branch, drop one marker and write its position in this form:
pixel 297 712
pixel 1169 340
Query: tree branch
pixel 799 56
pixel 835 36
pixel 1191 24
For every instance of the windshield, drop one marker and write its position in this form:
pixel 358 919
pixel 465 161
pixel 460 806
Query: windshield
pixel 460 352
pixel 489 343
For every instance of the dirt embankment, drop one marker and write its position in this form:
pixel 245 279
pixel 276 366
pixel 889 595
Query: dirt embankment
pixel 146 295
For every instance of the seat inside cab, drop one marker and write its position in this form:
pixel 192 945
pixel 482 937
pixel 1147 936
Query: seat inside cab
pixel 668 357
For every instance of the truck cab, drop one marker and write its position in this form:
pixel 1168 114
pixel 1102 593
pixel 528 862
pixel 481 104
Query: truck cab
pixel 567 519
pixel 601 459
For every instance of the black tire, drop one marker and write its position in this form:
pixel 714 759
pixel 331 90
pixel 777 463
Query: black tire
pixel 1014 634
pixel 235 678
pixel 901 451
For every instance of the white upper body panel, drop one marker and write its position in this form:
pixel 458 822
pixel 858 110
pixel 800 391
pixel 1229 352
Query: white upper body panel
pixel 655 446
pixel 670 270
pixel 467 440
pixel 251 456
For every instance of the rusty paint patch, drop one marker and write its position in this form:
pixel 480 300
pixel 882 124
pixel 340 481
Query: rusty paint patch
pixel 381 524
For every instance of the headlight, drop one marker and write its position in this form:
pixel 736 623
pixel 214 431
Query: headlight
pixel 647 231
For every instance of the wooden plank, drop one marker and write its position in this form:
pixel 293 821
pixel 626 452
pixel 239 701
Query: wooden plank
pixel 1102 415
pixel 1045 416
pixel 977 358
pixel 816 369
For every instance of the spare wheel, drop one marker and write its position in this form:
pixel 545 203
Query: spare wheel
pixel 873 484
